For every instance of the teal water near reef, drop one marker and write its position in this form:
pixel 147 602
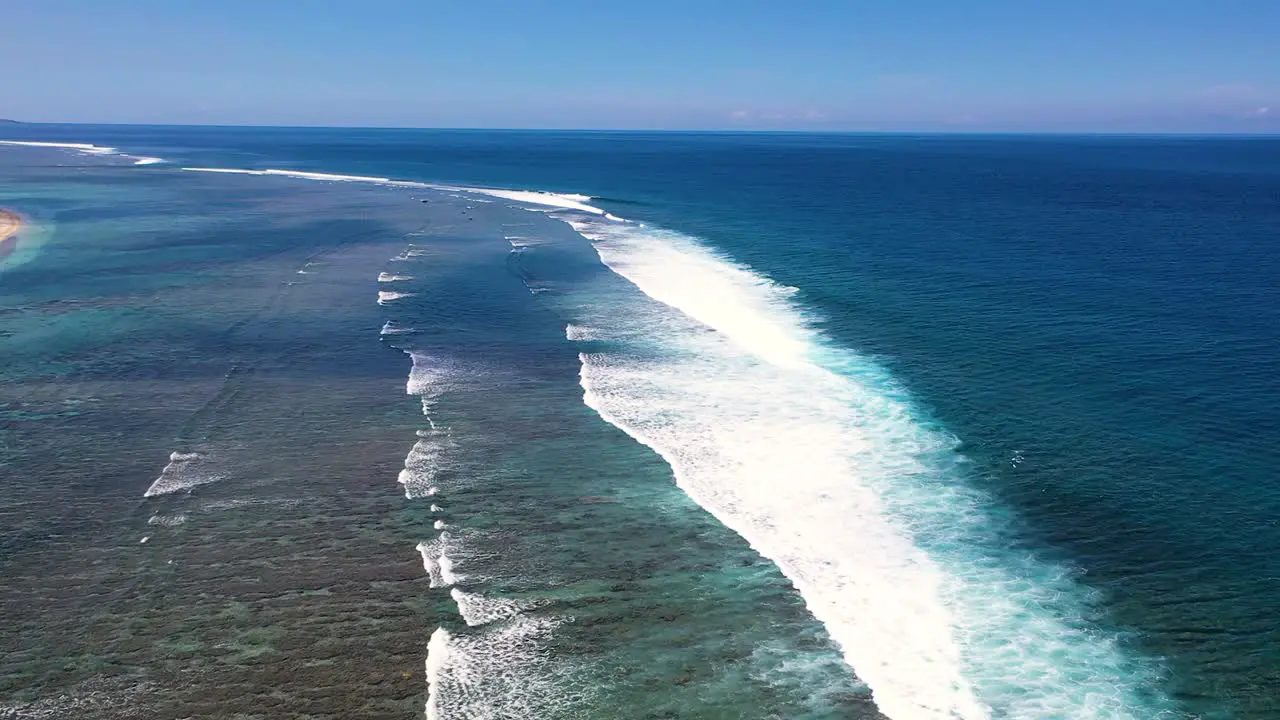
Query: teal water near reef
pixel 734 426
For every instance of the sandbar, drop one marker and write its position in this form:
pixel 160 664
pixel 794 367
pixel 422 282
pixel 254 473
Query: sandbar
pixel 10 224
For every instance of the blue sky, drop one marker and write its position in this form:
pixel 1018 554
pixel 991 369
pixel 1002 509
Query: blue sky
pixel 1033 65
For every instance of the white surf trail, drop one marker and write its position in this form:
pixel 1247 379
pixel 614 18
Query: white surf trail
pixel 818 458
pixel 496 667
pixel 561 201
pixel 86 149
pixel 550 200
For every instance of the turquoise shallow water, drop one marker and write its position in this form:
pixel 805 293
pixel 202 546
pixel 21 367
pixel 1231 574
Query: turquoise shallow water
pixel 202 454
pixel 959 427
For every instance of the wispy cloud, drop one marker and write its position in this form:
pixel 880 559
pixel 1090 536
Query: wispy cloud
pixel 1241 101
pixel 780 118
pixel 1232 92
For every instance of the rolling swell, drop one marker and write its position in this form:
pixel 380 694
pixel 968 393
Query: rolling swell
pixel 820 460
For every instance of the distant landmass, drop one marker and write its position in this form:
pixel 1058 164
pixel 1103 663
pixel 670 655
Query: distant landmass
pixel 10 122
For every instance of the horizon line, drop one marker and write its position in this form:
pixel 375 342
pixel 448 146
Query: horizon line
pixel 724 131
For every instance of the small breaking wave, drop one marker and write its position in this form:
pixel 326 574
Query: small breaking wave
pixel 503 671
pixel 391 328
pixel 167 520
pixel 407 255
pixel 425 462
pixel 386 296
pixel 391 277
pixel 426 376
pixel 184 471
pixel 476 609
pixel 436 561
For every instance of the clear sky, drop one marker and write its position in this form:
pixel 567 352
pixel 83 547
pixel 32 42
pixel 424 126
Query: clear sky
pixel 975 65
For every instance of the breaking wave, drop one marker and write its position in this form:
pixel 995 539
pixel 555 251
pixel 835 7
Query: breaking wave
pixel 820 459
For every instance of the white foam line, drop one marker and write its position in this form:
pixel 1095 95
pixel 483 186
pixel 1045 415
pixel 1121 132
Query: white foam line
pixel 332 177
pixel 81 147
pixel 539 197
pixel 560 201
pixel 229 171
pixel 87 149
pixel 819 460
pixel 437 658
pixel 300 174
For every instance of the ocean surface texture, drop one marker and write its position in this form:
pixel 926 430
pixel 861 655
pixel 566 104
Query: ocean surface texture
pixel 306 423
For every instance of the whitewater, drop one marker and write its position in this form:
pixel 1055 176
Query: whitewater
pixel 86 149
pixel 550 200
pixel 821 461
pixel 497 665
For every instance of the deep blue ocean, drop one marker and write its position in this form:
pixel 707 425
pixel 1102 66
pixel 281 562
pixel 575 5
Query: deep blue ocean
pixel 507 424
